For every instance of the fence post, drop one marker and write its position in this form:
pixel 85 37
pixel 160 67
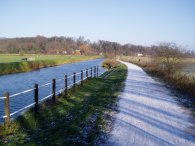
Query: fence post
pixel 36 97
pixel 53 90
pixel 87 73
pixel 91 73
pixel 97 71
pixel 74 79
pixel 81 77
pixel 66 86
pixel 7 109
pixel 94 71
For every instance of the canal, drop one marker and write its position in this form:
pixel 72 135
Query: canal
pixel 15 83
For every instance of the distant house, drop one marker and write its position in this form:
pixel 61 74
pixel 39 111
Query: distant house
pixel 64 52
pixel 140 55
pixel 77 52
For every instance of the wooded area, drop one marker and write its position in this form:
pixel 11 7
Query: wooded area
pixel 69 45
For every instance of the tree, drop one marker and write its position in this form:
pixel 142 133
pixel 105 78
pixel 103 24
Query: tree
pixel 169 56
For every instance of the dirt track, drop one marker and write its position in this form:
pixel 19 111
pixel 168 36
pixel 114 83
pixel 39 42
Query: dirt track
pixel 149 114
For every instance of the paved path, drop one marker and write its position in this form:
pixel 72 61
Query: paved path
pixel 149 115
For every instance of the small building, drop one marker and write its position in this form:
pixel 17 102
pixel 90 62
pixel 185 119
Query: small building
pixel 64 52
pixel 140 55
pixel 77 52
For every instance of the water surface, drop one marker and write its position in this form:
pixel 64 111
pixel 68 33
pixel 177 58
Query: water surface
pixel 19 82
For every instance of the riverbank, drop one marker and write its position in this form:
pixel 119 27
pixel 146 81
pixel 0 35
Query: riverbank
pixel 15 65
pixel 74 120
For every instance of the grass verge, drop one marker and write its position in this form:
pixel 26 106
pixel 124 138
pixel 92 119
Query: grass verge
pixel 74 120
pixel 48 61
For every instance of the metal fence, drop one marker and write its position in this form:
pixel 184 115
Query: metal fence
pixel 67 82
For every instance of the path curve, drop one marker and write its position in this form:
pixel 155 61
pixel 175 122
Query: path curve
pixel 149 115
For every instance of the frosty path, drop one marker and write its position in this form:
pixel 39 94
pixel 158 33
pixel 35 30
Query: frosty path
pixel 149 115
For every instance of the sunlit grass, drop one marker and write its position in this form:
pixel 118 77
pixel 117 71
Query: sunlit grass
pixel 13 64
pixel 8 58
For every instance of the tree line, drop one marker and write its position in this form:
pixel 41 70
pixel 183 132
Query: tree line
pixel 68 45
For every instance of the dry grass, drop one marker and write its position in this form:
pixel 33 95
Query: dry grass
pixel 110 63
pixel 183 82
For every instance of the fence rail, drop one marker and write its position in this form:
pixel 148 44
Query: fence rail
pixel 89 73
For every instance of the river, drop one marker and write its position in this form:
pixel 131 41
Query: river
pixel 19 82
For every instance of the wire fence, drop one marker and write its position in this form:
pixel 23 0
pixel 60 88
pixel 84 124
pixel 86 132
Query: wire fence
pixel 58 86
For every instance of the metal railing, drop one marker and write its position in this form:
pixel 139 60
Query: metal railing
pixel 89 73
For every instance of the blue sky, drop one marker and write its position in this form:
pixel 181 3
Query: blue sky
pixel 143 22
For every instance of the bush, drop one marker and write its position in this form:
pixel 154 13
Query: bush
pixel 21 54
pixel 110 63
pixel 168 57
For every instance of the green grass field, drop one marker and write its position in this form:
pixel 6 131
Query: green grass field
pixel 13 63
pixel 9 58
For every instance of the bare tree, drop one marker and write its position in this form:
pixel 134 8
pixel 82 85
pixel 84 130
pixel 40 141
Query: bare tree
pixel 169 56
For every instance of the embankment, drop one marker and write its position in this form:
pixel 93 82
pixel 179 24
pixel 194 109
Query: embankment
pixel 73 120
pixel 25 66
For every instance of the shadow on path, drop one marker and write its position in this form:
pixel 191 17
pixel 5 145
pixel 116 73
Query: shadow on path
pixel 148 114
